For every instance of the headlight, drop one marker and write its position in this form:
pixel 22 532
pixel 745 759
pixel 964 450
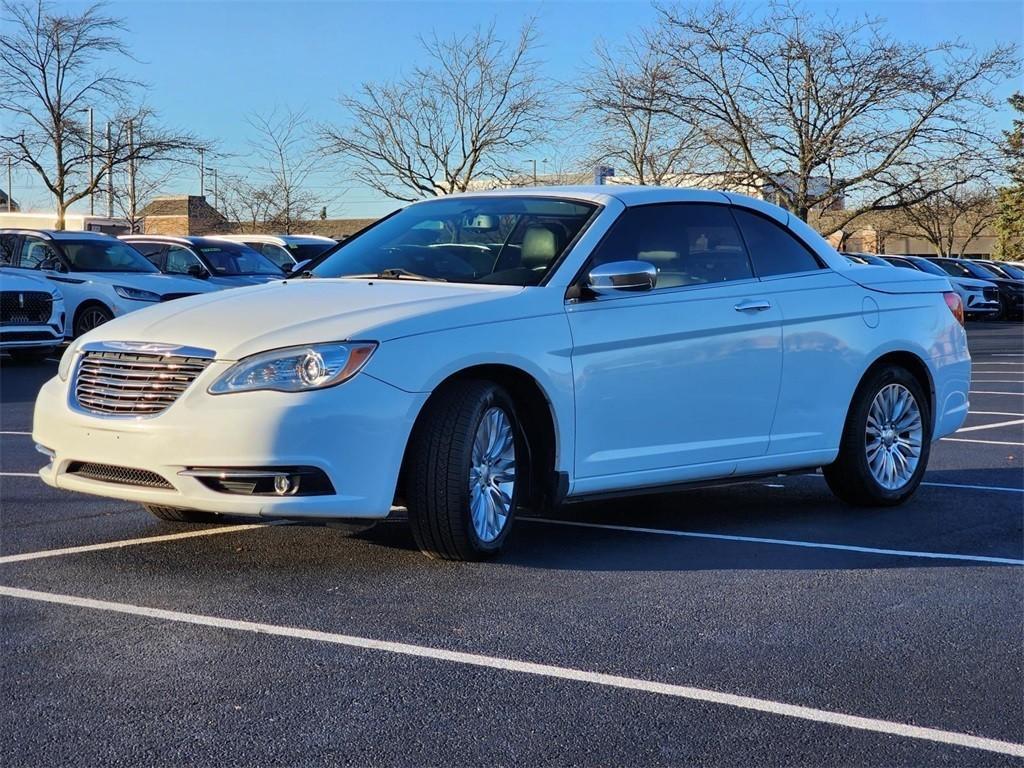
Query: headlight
pixel 295 369
pixel 67 360
pixel 135 294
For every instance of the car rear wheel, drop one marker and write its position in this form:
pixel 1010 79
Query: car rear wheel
pixel 886 441
pixel 176 515
pixel 91 316
pixel 461 487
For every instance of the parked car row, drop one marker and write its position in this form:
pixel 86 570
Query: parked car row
pixel 61 284
pixel 987 288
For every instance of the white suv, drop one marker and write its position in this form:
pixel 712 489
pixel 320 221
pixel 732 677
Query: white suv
pixel 31 316
pixel 99 276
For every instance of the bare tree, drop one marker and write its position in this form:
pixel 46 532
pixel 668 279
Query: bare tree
pixel 622 99
pixel 952 218
pixel 288 159
pixel 53 67
pixel 460 117
pixel 818 109
pixel 249 203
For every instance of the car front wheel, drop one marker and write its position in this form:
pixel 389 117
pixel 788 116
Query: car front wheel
pixel 461 484
pixel 91 316
pixel 886 441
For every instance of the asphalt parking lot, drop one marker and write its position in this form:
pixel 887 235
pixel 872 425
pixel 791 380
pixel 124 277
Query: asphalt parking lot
pixel 756 624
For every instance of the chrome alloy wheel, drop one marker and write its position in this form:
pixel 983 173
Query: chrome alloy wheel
pixel 492 474
pixel 893 436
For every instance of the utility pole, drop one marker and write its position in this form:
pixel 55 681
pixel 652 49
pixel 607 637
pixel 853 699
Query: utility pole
pixel 110 174
pixel 202 171
pixel 131 176
pixel 535 173
pixel 10 186
pixel 216 197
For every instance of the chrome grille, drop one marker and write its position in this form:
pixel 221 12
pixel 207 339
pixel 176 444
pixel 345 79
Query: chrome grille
pixel 133 384
pixel 108 473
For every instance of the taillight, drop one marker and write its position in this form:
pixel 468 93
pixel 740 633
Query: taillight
pixel 955 305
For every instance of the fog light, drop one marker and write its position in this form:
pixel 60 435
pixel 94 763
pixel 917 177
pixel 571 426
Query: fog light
pixel 286 485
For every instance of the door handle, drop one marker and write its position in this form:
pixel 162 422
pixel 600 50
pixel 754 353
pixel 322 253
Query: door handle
pixel 753 305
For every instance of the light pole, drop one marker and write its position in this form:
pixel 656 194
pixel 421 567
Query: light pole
pixel 92 165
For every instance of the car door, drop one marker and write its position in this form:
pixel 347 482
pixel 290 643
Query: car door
pixel 825 321
pixel 684 375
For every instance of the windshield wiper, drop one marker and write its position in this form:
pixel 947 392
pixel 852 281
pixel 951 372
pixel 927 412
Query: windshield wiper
pixel 396 273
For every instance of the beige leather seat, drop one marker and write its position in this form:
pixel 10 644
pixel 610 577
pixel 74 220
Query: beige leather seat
pixel 539 248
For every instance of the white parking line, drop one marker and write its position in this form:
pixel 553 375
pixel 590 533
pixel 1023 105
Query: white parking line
pixel 969 487
pixel 767 706
pixel 995 413
pixel 134 542
pixel 981 392
pixel 19 474
pixel 1013 423
pixel 983 442
pixel 997 381
pixel 10 432
pixel 781 542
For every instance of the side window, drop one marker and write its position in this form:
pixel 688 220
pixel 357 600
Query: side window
pixel 179 259
pixel 689 243
pixel 276 254
pixel 35 254
pixel 152 251
pixel 8 250
pixel 773 250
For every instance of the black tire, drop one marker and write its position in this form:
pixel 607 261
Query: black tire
pixel 32 355
pixel 849 476
pixel 91 316
pixel 176 515
pixel 437 481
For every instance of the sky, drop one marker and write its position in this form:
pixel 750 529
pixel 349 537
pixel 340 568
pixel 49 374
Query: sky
pixel 208 64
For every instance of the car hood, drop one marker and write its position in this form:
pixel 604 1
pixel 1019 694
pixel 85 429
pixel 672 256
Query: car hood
pixel 234 281
pixel 144 281
pixel 14 281
pixel 243 321
pixel 971 282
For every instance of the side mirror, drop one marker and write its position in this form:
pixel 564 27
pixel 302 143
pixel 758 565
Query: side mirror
pixel 53 264
pixel 616 276
pixel 299 268
pixel 195 270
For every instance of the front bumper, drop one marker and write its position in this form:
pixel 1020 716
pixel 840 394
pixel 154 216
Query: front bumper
pixel 30 336
pixel 356 433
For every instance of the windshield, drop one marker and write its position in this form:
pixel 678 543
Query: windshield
pixel 1015 272
pixel 930 267
pixel 237 259
pixel 305 251
pixel 95 255
pixel 499 240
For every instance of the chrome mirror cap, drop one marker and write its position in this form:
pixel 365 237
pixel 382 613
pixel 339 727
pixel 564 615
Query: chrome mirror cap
pixel 622 276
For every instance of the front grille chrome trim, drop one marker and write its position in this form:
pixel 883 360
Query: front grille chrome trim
pixel 133 379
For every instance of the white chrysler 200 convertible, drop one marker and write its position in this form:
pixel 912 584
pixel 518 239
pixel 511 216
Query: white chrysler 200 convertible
pixel 475 354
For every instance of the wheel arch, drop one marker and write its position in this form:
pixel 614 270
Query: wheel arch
pixel 537 420
pixel 84 305
pixel 910 361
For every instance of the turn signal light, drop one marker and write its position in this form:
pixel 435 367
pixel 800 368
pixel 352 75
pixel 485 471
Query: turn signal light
pixel 956 306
